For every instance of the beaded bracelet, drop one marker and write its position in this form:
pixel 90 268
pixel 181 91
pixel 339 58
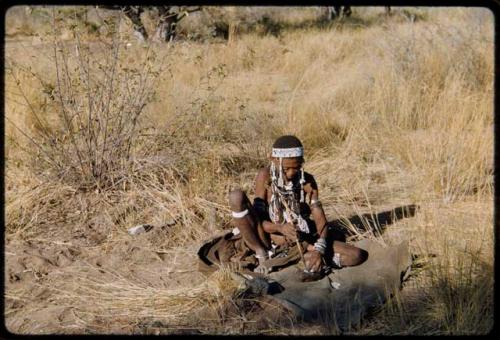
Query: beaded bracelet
pixel 320 246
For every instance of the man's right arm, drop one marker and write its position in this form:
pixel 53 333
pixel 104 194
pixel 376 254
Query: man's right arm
pixel 261 207
pixel 260 201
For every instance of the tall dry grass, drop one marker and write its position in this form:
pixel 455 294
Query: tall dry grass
pixel 392 111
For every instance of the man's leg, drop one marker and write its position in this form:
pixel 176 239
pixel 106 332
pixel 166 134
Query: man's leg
pixel 347 255
pixel 340 252
pixel 246 223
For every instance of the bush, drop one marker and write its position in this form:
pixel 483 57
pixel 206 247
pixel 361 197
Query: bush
pixel 98 94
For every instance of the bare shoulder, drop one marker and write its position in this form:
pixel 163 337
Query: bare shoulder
pixel 262 180
pixel 263 175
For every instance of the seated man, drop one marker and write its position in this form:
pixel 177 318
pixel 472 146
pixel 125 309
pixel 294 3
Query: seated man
pixel 285 198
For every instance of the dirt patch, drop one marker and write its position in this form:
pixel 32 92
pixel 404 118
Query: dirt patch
pixel 45 278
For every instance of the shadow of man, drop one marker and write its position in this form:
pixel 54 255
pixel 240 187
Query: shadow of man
pixel 376 223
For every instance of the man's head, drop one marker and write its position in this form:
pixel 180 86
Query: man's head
pixel 291 152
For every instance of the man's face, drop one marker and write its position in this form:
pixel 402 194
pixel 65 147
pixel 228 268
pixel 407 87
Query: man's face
pixel 291 166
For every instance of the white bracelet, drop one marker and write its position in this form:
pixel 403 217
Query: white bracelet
pixel 320 246
pixel 239 214
pixel 319 249
pixel 321 240
pixel 315 203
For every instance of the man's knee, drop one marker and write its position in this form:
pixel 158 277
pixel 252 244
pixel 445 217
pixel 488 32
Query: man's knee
pixel 361 256
pixel 237 200
pixel 350 255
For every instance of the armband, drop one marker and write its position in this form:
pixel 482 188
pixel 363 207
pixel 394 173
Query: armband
pixel 315 203
pixel 336 260
pixel 240 214
pixel 259 204
pixel 260 207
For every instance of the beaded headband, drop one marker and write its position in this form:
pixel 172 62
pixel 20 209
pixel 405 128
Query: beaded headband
pixel 288 152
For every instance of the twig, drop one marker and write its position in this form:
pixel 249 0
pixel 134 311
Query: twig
pixel 288 210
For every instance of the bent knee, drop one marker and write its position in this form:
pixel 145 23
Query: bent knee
pixel 361 256
pixel 353 256
pixel 236 199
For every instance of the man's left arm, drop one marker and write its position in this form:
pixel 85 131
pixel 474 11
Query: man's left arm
pixel 317 213
pixel 317 250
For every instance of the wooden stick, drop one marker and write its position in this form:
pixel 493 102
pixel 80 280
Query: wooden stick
pixel 288 210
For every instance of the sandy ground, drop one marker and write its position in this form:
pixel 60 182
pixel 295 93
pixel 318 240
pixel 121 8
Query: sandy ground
pixel 67 282
pixel 42 277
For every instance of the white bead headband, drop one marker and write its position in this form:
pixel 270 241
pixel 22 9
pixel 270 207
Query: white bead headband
pixel 288 152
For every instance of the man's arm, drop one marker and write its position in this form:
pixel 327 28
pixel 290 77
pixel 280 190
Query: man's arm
pixel 317 211
pixel 260 200
pixel 261 206
pixel 316 251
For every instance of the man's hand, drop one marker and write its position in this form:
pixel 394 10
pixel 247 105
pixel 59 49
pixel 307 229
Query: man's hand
pixel 314 261
pixel 262 268
pixel 289 231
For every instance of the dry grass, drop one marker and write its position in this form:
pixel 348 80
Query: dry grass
pixel 392 111
pixel 131 304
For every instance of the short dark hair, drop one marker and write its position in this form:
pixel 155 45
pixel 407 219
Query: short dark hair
pixel 288 141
